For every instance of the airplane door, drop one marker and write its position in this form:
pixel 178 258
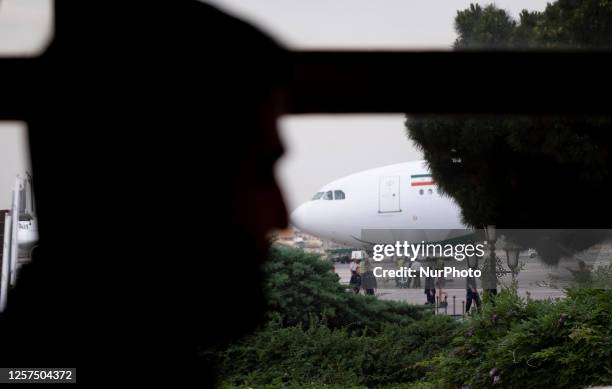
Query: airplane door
pixel 389 195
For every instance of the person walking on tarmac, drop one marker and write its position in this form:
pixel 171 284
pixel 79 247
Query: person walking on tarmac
pixel 430 290
pixel 368 281
pixel 355 281
pixel 353 266
pixel 442 295
pixel 471 294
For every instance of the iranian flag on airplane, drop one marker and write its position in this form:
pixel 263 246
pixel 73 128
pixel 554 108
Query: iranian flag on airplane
pixel 421 180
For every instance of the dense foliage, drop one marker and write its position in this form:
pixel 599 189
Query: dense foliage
pixel 584 24
pixel 318 354
pixel 526 172
pixel 318 332
pixel 522 342
pixel 300 288
pixel 532 344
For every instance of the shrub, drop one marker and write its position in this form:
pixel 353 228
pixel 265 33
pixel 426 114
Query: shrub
pixel 320 355
pixel 301 287
pixel 532 344
pixel 320 334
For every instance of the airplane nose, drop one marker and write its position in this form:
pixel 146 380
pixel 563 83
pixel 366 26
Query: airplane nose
pixel 298 217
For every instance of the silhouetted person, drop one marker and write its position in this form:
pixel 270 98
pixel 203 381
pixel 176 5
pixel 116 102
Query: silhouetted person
pixel 153 139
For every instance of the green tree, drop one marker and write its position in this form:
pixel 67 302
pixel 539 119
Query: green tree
pixel 527 172
pixel 585 24
pixel 488 27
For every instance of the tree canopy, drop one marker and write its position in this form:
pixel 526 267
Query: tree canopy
pixel 585 24
pixel 526 172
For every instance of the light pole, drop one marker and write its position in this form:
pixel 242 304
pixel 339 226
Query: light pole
pixel 491 235
pixel 512 256
pixel 472 261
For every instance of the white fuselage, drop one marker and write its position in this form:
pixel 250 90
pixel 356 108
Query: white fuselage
pixel 399 200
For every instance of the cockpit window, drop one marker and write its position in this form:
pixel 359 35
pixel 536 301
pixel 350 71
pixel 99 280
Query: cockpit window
pixel 317 195
pixel 330 195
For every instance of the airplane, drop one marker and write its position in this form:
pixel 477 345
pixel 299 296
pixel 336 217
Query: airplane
pixel 20 235
pixel 384 205
pixel 392 203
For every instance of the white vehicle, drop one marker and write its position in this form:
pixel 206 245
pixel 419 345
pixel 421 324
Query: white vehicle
pixel 20 235
pixel 392 203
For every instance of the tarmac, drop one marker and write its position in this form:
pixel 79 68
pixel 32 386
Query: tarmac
pixel 534 279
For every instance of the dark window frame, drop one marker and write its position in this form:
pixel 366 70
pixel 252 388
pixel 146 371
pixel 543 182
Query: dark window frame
pixel 416 82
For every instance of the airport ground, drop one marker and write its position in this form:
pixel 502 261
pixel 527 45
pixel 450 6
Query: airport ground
pixel 537 280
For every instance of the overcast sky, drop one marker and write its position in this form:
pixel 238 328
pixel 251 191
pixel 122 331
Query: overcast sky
pixel 361 23
pixel 14 158
pixel 319 148
pixel 25 28
pixel 322 148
